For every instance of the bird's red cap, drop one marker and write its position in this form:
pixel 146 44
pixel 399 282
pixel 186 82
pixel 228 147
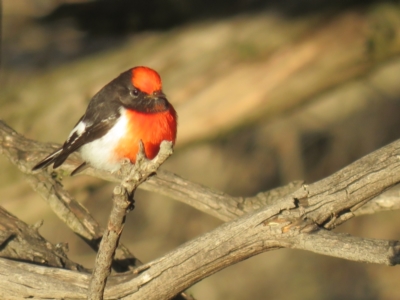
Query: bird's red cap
pixel 145 79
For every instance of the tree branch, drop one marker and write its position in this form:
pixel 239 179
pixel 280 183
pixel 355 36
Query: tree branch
pixel 367 177
pixel 122 204
pixel 388 200
pixel 232 242
pixel 22 242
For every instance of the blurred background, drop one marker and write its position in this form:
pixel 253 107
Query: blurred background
pixel 266 93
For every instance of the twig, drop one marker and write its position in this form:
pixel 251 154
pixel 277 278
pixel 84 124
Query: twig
pixel 122 202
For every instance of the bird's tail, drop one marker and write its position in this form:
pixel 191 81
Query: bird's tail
pixel 48 160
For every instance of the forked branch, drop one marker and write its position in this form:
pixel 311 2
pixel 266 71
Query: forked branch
pixel 123 194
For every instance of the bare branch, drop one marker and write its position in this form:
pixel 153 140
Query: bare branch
pixel 27 280
pixel 23 242
pixel 388 200
pixel 345 191
pixel 345 246
pixel 232 242
pixel 122 203
pixel 109 243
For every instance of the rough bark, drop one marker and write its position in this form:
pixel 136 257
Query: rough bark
pixel 22 242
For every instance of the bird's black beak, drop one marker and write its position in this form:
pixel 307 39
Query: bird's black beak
pixel 159 95
pixel 158 102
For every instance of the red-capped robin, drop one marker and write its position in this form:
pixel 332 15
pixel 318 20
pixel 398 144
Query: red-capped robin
pixel 130 108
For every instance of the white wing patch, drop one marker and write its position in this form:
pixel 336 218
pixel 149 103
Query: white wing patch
pixel 100 153
pixel 79 129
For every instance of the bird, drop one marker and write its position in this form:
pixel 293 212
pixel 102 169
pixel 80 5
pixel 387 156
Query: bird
pixel 129 109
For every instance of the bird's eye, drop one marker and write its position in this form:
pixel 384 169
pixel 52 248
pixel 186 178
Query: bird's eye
pixel 134 92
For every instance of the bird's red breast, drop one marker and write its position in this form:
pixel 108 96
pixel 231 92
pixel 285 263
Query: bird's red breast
pixel 152 129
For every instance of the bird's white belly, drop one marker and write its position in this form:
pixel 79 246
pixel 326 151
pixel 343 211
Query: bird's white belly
pixel 100 153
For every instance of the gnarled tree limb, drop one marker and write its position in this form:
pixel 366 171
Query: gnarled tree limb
pixel 232 242
pixel 297 216
pixel 22 242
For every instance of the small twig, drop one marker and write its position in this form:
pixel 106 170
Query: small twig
pixel 134 175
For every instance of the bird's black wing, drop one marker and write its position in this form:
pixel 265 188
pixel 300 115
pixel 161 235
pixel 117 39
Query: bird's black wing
pixel 100 116
pixel 90 134
pixel 75 141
